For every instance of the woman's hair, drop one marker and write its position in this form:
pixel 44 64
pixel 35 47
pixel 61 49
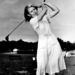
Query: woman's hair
pixel 27 15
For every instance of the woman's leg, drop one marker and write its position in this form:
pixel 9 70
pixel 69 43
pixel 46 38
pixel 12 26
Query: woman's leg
pixel 41 61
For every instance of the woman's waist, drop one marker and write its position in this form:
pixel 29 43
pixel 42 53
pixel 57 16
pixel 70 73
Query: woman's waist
pixel 45 35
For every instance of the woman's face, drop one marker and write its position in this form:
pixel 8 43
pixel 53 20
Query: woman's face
pixel 33 11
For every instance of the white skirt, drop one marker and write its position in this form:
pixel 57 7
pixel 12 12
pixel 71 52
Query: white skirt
pixel 49 56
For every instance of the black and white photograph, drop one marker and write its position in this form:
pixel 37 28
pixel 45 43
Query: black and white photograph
pixel 37 37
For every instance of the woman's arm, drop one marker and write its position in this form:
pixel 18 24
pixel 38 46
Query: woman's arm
pixel 34 21
pixel 54 9
pixel 42 13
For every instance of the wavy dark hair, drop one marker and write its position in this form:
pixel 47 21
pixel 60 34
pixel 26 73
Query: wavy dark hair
pixel 27 16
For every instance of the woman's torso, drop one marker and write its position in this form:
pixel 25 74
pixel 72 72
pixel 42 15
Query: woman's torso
pixel 45 34
pixel 43 29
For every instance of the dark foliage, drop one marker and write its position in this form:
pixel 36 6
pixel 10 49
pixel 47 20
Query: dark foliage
pixel 7 46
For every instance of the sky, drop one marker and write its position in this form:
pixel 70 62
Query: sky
pixel 11 14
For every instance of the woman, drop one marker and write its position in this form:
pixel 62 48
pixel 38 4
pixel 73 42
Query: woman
pixel 49 53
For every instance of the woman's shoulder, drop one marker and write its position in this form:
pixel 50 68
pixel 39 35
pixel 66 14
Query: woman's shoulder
pixel 34 20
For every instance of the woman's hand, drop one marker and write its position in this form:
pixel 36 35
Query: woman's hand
pixel 43 4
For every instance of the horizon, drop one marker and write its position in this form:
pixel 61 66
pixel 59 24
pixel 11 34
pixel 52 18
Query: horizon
pixel 34 41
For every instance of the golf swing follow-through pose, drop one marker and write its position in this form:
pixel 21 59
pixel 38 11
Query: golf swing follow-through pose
pixel 49 53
